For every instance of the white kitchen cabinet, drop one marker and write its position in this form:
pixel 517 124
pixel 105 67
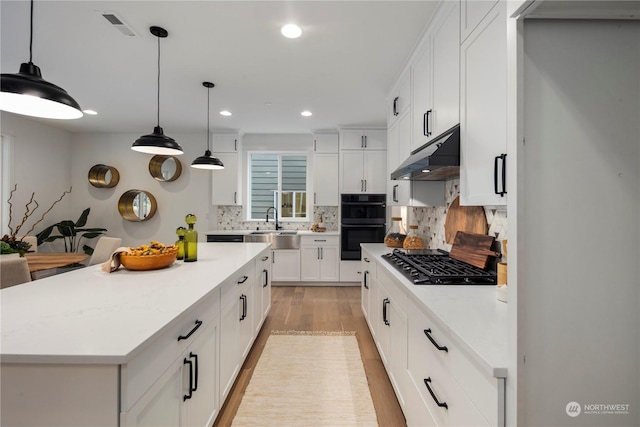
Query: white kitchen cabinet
pixel 187 358
pixel 398 150
pixel 285 265
pixel 363 171
pixel 471 13
pixel 483 88
pixel 236 327
pixel 326 179
pixel 400 99
pixel 435 77
pixel 225 189
pixel 225 143
pixel 360 139
pixel 326 143
pixel 319 258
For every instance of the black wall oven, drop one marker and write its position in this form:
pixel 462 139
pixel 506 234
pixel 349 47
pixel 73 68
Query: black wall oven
pixel 362 220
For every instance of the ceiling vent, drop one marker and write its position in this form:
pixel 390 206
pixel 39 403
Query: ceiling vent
pixel 118 23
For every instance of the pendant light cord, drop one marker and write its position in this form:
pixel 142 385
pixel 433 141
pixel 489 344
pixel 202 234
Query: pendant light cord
pixel 31 35
pixel 158 81
pixel 208 114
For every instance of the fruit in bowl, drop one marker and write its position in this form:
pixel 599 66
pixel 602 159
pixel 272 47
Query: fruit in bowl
pixel 149 257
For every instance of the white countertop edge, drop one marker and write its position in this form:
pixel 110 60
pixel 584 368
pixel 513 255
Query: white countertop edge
pixel 15 348
pixel 245 232
pixel 491 357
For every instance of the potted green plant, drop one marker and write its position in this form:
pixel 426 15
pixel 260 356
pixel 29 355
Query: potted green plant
pixel 72 233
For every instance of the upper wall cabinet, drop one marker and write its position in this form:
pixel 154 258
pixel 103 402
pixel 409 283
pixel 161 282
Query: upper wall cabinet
pixel 225 142
pixel 483 116
pixel 360 139
pixel 435 77
pixel 326 143
pixel 225 183
pixel 400 99
pixel 472 12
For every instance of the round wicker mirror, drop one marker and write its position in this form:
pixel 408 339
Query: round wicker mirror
pixel 137 205
pixel 103 176
pixel 165 168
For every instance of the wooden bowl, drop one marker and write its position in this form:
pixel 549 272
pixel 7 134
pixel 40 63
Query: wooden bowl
pixel 147 262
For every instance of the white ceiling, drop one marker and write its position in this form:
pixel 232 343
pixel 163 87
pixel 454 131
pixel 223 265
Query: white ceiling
pixel 341 69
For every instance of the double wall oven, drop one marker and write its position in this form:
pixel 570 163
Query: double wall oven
pixel 362 220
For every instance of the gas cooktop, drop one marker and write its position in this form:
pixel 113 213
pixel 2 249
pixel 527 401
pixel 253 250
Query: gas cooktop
pixel 436 267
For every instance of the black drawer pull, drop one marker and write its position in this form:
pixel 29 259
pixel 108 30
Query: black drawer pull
pixel 266 278
pixel 366 285
pixel 244 279
pixel 433 395
pixel 427 332
pixel 195 382
pixel 264 258
pixel 195 328
pixel 190 363
pixel 384 311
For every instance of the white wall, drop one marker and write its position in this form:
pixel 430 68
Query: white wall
pixel 190 193
pixel 40 163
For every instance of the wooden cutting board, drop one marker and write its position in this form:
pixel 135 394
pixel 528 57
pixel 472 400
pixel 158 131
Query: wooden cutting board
pixel 473 249
pixel 470 219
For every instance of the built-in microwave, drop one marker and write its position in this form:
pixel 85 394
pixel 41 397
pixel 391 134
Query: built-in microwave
pixel 362 220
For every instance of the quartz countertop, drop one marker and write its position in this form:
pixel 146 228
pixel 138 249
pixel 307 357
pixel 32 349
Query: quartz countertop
pixel 90 316
pixel 470 314
pixel 300 232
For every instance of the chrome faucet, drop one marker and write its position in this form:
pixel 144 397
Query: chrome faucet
pixel 276 217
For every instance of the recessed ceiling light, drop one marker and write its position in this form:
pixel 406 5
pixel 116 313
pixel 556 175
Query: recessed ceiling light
pixel 225 113
pixel 306 113
pixel 90 112
pixel 291 31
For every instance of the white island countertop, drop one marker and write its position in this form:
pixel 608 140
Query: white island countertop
pixel 89 316
pixel 471 314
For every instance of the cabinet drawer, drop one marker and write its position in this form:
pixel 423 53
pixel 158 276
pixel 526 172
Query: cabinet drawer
pixel 230 289
pixel 319 240
pixel 145 368
pixel 369 264
pixel 424 357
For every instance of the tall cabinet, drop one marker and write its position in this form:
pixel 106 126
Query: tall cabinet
pixel 363 154
pixel 326 169
pixel 226 183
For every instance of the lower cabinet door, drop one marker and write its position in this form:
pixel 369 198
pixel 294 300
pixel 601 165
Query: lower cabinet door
pixel 202 380
pixel 229 348
pixel 285 266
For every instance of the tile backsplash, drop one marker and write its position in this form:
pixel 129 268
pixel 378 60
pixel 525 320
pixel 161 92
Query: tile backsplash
pixel 431 220
pixel 232 218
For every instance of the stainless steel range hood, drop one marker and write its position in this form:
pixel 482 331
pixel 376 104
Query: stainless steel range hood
pixel 438 160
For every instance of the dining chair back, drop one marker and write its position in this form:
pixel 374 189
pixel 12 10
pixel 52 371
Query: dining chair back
pixel 14 270
pixel 104 248
pixel 33 241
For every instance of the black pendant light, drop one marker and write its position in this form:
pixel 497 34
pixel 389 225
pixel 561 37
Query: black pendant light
pixel 27 93
pixel 207 161
pixel 157 142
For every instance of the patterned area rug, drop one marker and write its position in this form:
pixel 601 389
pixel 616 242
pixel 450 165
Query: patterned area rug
pixel 308 379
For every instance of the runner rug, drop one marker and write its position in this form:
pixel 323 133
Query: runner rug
pixel 308 379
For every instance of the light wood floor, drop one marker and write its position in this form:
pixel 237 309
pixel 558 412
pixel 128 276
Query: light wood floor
pixel 310 308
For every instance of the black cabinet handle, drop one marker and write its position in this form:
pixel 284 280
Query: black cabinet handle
pixel 425 123
pixel 190 363
pixel 195 328
pixel 244 279
pixel 321 253
pixel 433 395
pixel 427 332
pixel 366 259
pixel 384 311
pixel 365 185
pixel 195 382
pixel 502 157
pixel 365 141
pixel 243 298
pixel 264 258
pixel 235 197
pixel 366 285
pixel 266 278
pixel 362 141
pixel 395 193
pixel 395 106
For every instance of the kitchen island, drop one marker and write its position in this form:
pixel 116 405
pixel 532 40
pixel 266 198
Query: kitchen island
pixel 95 348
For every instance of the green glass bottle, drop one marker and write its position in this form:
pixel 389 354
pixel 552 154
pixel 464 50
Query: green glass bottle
pixel 180 231
pixel 190 240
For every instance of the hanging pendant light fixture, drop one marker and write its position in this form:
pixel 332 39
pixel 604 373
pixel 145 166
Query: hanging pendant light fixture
pixel 157 142
pixel 207 161
pixel 27 93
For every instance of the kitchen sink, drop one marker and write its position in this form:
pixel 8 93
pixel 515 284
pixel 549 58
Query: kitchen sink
pixel 279 239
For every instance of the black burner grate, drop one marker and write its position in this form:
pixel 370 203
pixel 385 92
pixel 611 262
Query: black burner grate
pixel 439 269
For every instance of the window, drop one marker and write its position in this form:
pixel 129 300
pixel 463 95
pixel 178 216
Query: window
pixel 278 180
